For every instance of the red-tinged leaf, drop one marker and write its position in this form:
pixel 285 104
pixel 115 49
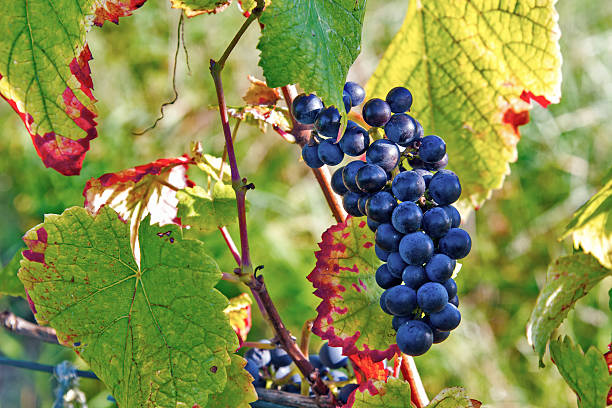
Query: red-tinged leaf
pixel 528 96
pixel 137 192
pixel 367 369
pixel 262 116
pixel 349 315
pixel 260 94
pixel 194 8
pixel 239 313
pixel 367 388
pixel 45 75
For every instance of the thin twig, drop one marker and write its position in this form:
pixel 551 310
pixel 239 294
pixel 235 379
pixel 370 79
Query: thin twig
pixel 22 327
pixel 411 374
pixel 224 156
pixel 228 277
pixel 305 339
pixel 30 365
pixel 288 137
pixel 230 244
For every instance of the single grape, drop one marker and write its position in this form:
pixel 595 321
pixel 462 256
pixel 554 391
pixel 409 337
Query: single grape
pixel 454 301
pixel 446 319
pixel 306 108
pixel 355 140
pixel 337 183
pixel 363 202
pixel 376 112
pixel 373 225
pixel 350 202
pixel 451 288
pixel 440 268
pixel 399 99
pixel 432 149
pixel 414 276
pixel 327 123
pixel 252 368
pixel 350 124
pixel 345 392
pixel 439 165
pixel 416 248
pixel 396 265
pixel 380 206
pixel 332 356
pixel 436 222
pixel 261 357
pixel 279 357
pixel 414 338
pixel 371 178
pixel 385 279
pixel 427 175
pixel 383 302
pixel 456 243
pixel 381 253
pixel 330 153
pixel 444 187
pixel 346 100
pixel 356 92
pixel 401 129
pixel 401 300
pixel 310 154
pixel 408 186
pixel 349 175
pixel 316 363
pixel 398 321
pixel 383 153
pixel 453 214
pixel 387 237
pixel 406 217
pixel 432 297
pixel 416 163
pixel 439 336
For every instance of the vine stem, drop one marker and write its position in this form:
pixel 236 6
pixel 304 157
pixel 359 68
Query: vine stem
pixel 410 373
pixel 256 283
pixel 30 365
pixel 20 326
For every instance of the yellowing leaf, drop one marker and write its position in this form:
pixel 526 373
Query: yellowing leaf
pixel 467 65
pixel 194 8
pixel 239 313
pixel 260 94
pixel 262 116
pixel 205 210
pixel 238 391
pixel 394 393
pixel 591 225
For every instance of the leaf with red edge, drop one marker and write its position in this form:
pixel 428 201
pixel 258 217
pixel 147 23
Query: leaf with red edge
pixel 137 192
pixel 260 94
pixel 45 75
pixel 349 315
pixel 262 116
pixel 239 313
pixel 367 369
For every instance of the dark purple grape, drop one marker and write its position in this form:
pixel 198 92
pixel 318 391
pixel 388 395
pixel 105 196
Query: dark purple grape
pixel 346 100
pixel 330 153
pixel 349 175
pixel 436 222
pixel 387 237
pixel 363 202
pixel 337 183
pixel 381 253
pixel 399 99
pixel 446 319
pixel 385 279
pixel 456 243
pixel 355 141
pixel 373 225
pixel 454 301
pixel 396 264
pixel 439 165
pixel 444 187
pixel 414 276
pixel 310 154
pixel 432 149
pixel 261 357
pixel 350 202
pixel 426 174
pixel 416 248
pixel 453 214
pixel 252 369
pixel 332 356
pixel 380 206
pixel 440 268
pixel 439 336
pixel 376 112
pixel 406 217
pixel 327 123
pixel 401 300
pixel 345 392
pixel 451 288
pixel 398 321
pixel 408 186
pixel 383 153
pixel 432 297
pixel 371 178
pixel 280 358
pixel 383 302
pixel 401 129
pixel 356 92
pixel 414 338
pixel 306 108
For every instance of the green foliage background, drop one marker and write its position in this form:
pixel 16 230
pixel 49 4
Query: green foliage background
pixel 564 153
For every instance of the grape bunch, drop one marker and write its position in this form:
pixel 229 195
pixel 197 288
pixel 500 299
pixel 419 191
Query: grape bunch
pixel 416 228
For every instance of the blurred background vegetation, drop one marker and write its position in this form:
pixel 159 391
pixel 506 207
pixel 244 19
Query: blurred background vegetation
pixel 564 153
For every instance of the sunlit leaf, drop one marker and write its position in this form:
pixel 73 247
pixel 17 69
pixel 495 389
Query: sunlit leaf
pixel 394 393
pixel 367 369
pixel 155 334
pixel 262 116
pixel 471 67
pixel 194 8
pixel 591 226
pixel 9 282
pixel 260 94
pixel 349 314
pixel 238 391
pixel 311 43
pixel 454 397
pixel 45 75
pixel 586 373
pixel 568 279
pixel 204 210
pixel 239 313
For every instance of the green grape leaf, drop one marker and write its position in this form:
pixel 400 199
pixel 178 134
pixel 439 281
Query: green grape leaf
pixel 9 282
pixel 394 393
pixel 45 75
pixel 238 391
pixel 591 225
pixel 472 67
pixel 205 210
pixel 156 335
pixel 454 397
pixel 568 279
pixel 586 373
pixel 349 315
pixel 194 8
pixel 311 43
